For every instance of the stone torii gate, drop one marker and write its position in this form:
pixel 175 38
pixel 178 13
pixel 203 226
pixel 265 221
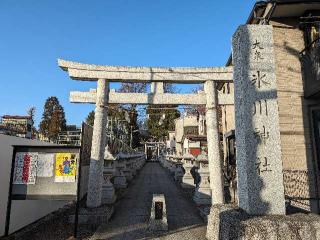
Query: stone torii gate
pixel 157 76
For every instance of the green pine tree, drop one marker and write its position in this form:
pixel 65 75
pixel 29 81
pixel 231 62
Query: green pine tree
pixel 161 120
pixel 53 119
pixel 90 118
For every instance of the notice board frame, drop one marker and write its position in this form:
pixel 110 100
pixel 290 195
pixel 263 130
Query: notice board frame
pixel 45 149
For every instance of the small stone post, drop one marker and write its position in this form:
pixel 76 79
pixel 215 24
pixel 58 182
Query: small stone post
pixel 259 164
pixel 214 158
pixel 98 145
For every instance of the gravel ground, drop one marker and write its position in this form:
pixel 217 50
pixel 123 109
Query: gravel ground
pixel 54 226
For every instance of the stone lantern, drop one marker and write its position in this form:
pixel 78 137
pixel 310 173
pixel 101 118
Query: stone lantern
pixel 178 174
pixel 120 180
pixel 108 192
pixel 202 195
pixel 187 180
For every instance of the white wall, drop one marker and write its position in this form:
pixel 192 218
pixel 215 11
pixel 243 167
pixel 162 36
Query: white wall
pixel 182 122
pixel 23 212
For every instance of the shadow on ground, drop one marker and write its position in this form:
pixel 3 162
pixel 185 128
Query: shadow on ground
pixel 130 220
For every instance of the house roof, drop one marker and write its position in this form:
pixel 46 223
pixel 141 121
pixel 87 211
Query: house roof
pixel 16 117
pixel 194 137
pixel 266 10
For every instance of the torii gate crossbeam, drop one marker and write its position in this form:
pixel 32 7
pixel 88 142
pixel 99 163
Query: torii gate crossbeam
pixel 103 96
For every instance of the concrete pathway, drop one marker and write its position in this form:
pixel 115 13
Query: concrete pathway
pixel 130 220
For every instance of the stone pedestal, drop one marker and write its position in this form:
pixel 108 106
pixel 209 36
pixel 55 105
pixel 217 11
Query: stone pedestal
pixel 120 180
pixel 229 223
pixel 93 216
pixel 108 193
pixel 259 164
pixel 187 180
pixel 202 194
pixel 127 171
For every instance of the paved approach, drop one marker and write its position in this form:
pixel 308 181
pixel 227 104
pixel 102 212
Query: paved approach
pixel 130 220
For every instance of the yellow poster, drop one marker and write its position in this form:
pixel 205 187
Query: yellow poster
pixel 66 167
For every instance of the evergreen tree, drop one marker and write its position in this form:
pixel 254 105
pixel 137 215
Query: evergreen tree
pixel 31 112
pixel 90 118
pixel 132 109
pixel 161 117
pixel 161 120
pixel 53 119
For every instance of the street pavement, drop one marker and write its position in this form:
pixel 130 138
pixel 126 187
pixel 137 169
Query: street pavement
pixel 132 211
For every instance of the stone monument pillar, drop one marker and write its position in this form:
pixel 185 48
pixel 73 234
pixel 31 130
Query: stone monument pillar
pixel 98 145
pixel 259 165
pixel 214 158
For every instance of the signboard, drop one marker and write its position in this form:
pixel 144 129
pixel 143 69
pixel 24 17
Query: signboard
pixel 45 172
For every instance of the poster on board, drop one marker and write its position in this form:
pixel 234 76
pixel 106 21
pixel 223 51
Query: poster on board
pixel 45 165
pixel 25 170
pixel 66 167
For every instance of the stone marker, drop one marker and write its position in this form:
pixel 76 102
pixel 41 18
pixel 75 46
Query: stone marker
pixel 158 218
pixel 259 165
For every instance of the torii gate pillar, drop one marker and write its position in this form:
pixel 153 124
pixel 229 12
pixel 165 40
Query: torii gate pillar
pixel 214 157
pixel 98 145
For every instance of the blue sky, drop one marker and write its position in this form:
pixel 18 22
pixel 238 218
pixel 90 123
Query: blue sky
pixel 34 34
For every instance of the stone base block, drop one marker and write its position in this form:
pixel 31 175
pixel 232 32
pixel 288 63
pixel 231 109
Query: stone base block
pixel 219 222
pixel 94 216
pixel 226 223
